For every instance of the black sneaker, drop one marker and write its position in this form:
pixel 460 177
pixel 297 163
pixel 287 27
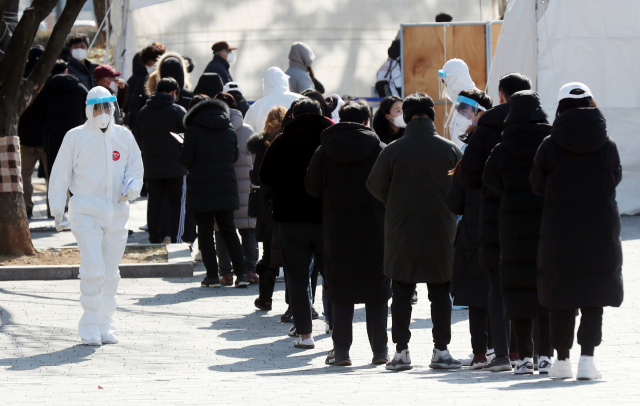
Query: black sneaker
pixel 400 362
pixel 380 359
pixel 287 316
pixel 498 364
pixel 331 358
pixel 262 304
pixel 314 314
pixel 211 282
pixel 242 281
pixel 29 213
pixel 414 298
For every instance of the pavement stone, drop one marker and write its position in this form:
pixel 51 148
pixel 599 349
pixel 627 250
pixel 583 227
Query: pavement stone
pixel 183 344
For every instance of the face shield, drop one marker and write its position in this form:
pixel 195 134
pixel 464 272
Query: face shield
pixel 442 84
pixel 101 110
pixel 462 115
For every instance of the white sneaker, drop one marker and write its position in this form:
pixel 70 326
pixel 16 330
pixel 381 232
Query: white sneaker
pixel 144 227
pixel 524 367
pixel 198 257
pixel 400 362
pixel 544 364
pixel 491 354
pixel 561 369
pixel 587 369
pixel 467 361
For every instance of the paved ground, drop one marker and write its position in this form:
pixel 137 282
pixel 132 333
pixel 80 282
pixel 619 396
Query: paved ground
pixel 181 344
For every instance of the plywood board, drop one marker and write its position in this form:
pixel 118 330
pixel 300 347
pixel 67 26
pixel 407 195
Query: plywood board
pixel 495 34
pixel 441 115
pixel 424 54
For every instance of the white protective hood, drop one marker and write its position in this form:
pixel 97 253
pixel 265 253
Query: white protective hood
pixel 276 90
pixel 96 93
pixel 457 79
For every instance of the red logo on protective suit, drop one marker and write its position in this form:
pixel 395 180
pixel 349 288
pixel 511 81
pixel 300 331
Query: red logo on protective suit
pixel 116 155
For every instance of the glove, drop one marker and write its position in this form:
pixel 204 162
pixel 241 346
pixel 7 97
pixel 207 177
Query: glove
pixel 127 196
pixel 59 219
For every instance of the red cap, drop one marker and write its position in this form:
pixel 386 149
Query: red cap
pixel 104 71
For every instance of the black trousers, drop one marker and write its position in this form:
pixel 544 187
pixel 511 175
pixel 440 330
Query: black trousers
pixel 500 327
pixel 156 190
pixel 563 323
pixel 377 314
pixel 478 328
pixel 401 314
pixel 298 243
pixel 227 227
pixel 523 330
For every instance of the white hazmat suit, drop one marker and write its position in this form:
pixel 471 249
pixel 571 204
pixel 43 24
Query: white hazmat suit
pixel 454 78
pixel 94 165
pixel 276 89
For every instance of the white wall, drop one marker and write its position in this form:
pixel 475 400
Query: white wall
pixel 349 37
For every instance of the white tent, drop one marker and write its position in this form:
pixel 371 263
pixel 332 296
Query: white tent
pixel 349 37
pixel 596 42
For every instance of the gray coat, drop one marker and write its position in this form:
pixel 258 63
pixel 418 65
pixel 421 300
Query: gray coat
pixel 243 167
pixel 411 178
pixel 300 58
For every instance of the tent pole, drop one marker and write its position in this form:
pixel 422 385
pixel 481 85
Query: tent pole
pixel 100 28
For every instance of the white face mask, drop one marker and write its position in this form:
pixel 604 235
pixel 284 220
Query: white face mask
pixel 103 120
pixel 231 57
pixel 113 86
pixel 79 53
pixel 459 125
pixel 399 121
pixel 151 69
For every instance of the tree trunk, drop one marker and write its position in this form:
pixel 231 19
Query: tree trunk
pixel 16 94
pixel 8 22
pixel 100 9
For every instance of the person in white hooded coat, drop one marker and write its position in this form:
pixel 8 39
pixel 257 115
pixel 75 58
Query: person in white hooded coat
pixel 95 161
pixel 453 78
pixel 276 93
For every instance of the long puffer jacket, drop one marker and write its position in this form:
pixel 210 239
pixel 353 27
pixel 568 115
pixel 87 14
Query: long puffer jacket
pixel 243 167
pixel 470 283
pixel 577 170
pixel 209 152
pixel 507 173
pixel 481 142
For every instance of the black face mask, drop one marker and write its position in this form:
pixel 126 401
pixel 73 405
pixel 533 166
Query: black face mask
pixel 394 50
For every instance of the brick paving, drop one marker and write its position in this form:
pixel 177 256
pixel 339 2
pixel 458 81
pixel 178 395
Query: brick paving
pixel 182 344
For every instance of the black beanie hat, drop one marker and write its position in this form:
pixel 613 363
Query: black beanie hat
pixel 417 103
pixel 172 67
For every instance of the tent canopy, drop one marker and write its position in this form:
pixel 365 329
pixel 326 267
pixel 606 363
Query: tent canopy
pixel 591 41
pixel 349 37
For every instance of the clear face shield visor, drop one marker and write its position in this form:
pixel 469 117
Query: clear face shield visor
pixel 442 85
pixel 462 115
pixel 103 110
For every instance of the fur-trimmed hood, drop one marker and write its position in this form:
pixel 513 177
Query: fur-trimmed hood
pixel 213 114
pixel 163 66
pixel 257 142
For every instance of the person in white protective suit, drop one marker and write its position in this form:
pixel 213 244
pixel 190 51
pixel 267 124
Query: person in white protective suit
pixel 275 86
pixel 100 163
pixel 453 78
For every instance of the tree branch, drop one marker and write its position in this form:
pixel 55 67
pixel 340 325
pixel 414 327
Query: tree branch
pixel 56 41
pixel 15 59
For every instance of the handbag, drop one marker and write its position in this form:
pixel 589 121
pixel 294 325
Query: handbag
pixel 254 202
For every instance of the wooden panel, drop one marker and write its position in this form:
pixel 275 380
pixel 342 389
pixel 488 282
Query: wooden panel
pixel 424 54
pixel 441 115
pixel 495 34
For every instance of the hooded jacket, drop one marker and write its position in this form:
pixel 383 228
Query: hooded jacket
pixel 209 152
pixel 243 167
pixel 411 178
pixel 209 84
pixel 171 64
pixel 276 88
pixel 136 90
pixel 300 58
pixel 160 150
pixel 82 71
pixel 577 170
pixel 285 165
pixel 59 107
pixel 257 145
pixel 220 66
pixel 507 174
pixel 353 220
pixel 481 142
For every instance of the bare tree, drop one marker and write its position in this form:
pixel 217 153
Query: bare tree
pixel 16 94
pixel 100 10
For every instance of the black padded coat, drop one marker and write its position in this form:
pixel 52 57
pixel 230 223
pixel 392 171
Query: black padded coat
pixel 507 174
pixel 577 170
